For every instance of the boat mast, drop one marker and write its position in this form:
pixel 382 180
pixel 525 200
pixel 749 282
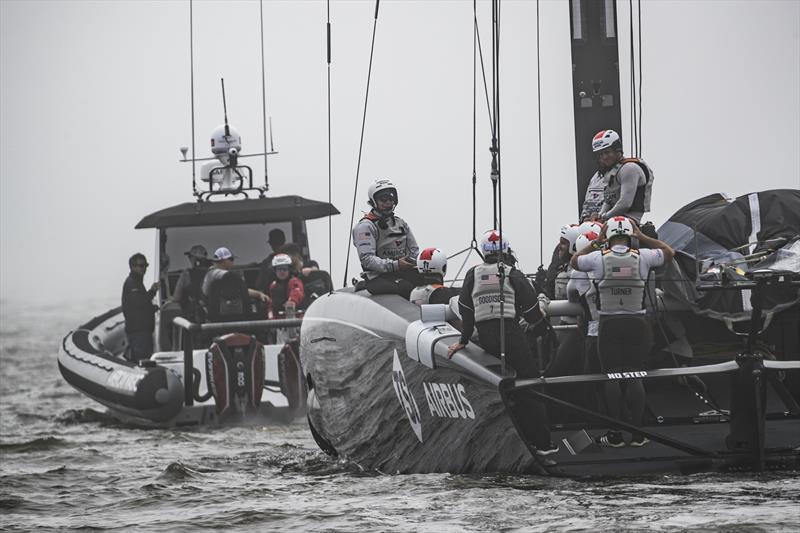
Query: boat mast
pixel 595 80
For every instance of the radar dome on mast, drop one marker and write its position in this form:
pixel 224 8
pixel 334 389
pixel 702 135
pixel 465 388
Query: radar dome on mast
pixel 223 139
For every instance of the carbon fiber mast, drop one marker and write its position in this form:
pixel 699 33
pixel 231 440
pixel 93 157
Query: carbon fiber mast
pixel 595 79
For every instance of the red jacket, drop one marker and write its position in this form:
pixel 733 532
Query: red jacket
pixel 281 292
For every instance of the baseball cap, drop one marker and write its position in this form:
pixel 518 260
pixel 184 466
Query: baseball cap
pixel 222 253
pixel 199 251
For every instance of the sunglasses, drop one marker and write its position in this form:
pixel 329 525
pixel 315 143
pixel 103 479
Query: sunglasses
pixel 281 269
pixel 385 198
pixel 141 265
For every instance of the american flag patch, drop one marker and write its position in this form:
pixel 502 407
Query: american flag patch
pixel 621 272
pixel 489 279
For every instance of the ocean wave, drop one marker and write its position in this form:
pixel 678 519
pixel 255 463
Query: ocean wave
pixel 35 445
pixel 178 471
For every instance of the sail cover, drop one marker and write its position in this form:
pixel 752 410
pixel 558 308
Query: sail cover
pixel 719 237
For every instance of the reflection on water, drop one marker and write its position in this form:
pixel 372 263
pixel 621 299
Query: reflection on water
pixel 65 464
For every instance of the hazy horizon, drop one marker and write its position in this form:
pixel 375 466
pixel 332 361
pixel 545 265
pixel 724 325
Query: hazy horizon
pixel 94 104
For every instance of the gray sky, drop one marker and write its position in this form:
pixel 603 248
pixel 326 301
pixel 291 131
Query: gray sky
pixel 94 103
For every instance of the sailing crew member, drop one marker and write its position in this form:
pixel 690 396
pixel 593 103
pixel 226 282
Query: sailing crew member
pixel 138 310
pixel 479 303
pixel 581 289
pixel 432 267
pixel 569 357
pixel 276 239
pixel 222 262
pixel 190 283
pixel 624 337
pixel 286 292
pixel 628 182
pixel 385 244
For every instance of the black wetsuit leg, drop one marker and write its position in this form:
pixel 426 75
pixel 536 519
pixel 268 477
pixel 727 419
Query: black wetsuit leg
pixel 568 362
pixel 592 366
pixel 401 283
pixel 623 342
pixel 533 421
pixel 140 345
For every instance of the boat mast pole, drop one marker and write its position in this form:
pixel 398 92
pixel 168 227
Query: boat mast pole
pixel 595 80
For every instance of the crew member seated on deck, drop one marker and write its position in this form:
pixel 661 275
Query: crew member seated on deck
pixel 385 244
pixel 286 292
pixel 221 268
pixel 624 336
pixel 188 288
pixel 432 266
pixel 480 307
pixel 628 182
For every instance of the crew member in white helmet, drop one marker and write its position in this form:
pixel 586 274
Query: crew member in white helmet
pixel 479 303
pixel 627 182
pixel 432 267
pixel 386 246
pixel 624 337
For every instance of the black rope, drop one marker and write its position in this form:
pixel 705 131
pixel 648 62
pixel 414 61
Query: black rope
pixel 539 117
pixel 639 30
pixel 483 73
pixel 263 95
pixel 635 140
pixel 330 188
pixel 191 82
pixel 361 143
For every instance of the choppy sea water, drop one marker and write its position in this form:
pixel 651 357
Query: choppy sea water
pixel 65 464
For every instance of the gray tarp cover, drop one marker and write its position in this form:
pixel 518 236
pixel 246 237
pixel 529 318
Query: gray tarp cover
pixel 727 231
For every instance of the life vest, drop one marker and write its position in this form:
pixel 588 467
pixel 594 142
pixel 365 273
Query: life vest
pixel 560 292
pixel 641 200
pixel 622 288
pixel 422 295
pixel 392 237
pixel 593 201
pixel 486 294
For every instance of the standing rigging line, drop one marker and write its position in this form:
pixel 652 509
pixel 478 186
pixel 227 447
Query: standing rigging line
pixel 473 243
pixel 191 98
pixel 330 200
pixel 483 72
pixel 639 30
pixel 496 174
pixel 635 146
pixel 361 143
pixel 539 117
pixel 263 94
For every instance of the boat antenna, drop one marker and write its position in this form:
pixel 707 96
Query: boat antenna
pixel 361 143
pixel 225 108
pixel 263 96
pixel 330 188
pixel 271 146
pixel 191 97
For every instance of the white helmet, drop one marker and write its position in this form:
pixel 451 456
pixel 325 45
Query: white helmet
pixel 281 260
pixel 591 226
pixel 432 261
pixel 585 239
pixel 619 226
pixel 221 144
pixel 491 244
pixel 379 186
pixel 605 139
pixel 572 234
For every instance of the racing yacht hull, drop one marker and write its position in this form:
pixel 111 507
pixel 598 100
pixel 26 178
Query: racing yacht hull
pixel 375 399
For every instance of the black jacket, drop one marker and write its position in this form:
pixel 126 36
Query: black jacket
pixel 525 299
pixel 137 306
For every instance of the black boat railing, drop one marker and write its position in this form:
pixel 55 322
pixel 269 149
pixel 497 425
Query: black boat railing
pixel 190 330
